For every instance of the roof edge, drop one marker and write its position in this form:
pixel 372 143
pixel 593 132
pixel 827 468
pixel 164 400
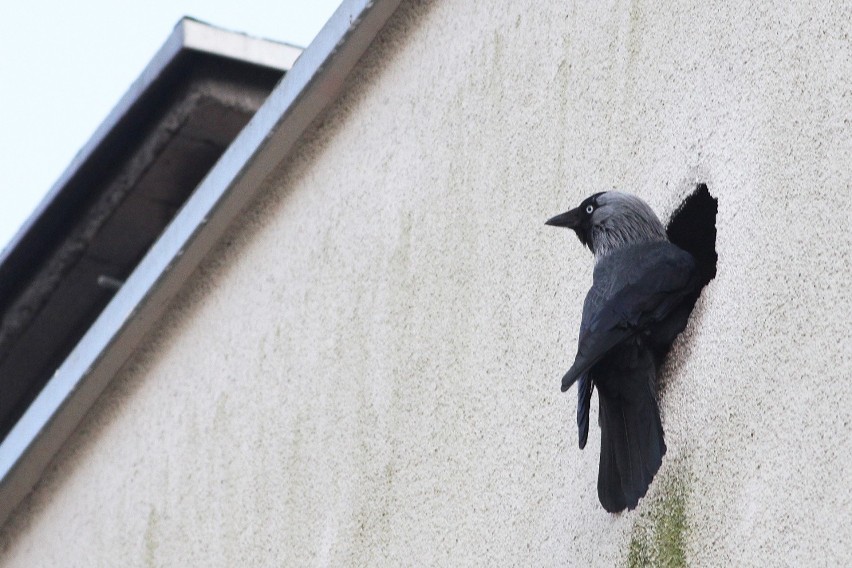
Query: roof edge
pixel 188 34
pixel 217 41
pixel 314 82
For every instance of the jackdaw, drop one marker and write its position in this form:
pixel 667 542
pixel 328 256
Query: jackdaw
pixel 643 291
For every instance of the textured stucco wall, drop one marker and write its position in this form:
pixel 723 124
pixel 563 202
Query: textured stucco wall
pixel 366 372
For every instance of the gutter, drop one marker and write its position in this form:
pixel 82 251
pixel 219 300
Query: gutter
pixel 310 86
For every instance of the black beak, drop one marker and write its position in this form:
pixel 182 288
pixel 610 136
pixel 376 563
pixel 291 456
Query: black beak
pixel 569 219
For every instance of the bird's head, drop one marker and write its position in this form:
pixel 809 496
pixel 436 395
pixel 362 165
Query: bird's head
pixel 610 220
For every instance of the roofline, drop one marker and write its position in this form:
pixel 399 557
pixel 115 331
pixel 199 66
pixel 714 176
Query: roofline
pixel 314 82
pixel 233 45
pixel 188 34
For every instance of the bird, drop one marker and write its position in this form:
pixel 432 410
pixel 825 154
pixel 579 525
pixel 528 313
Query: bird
pixel 643 291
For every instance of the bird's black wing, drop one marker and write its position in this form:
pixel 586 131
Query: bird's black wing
pixel 585 385
pixel 661 287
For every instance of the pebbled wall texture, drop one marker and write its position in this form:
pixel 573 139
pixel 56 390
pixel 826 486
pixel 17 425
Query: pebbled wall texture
pixel 366 371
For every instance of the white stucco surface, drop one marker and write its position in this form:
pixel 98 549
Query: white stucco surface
pixel 366 371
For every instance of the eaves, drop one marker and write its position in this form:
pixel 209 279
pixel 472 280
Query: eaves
pixel 314 81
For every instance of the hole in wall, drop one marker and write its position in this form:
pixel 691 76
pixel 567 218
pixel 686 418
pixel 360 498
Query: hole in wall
pixel 692 227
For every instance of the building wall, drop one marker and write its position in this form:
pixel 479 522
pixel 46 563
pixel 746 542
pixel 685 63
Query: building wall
pixel 366 371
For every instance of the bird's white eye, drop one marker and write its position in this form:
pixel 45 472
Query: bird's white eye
pixel 589 209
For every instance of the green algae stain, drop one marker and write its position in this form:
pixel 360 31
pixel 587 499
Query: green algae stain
pixel 151 537
pixel 638 553
pixel 659 536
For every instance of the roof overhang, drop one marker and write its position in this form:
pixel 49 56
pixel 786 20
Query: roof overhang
pixel 120 193
pixel 137 299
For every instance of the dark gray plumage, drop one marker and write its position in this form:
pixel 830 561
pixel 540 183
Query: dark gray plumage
pixel 642 293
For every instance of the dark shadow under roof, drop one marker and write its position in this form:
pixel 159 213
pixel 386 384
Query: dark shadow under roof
pixel 120 193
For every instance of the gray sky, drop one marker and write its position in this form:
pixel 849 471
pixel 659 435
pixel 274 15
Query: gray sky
pixel 66 64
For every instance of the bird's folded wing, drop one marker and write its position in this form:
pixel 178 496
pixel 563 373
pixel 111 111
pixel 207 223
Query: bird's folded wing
pixel 647 300
pixel 585 386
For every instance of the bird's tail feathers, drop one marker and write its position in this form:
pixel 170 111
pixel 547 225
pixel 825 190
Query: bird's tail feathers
pixel 632 449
